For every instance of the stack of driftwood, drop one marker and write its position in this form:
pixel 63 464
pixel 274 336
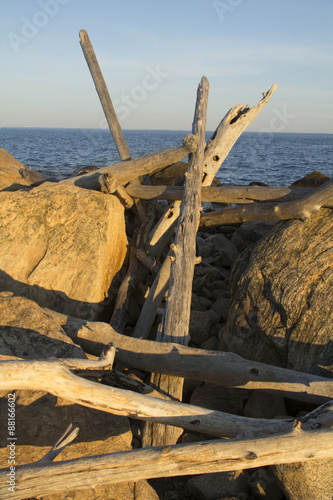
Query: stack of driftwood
pixel 165 246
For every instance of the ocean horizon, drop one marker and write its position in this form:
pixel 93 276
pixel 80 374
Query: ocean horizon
pixel 275 158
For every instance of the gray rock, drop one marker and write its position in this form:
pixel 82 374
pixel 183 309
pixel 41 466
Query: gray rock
pixel 218 485
pixel 210 344
pixel 264 485
pixel 251 232
pixel 215 397
pixel 221 306
pixel 200 325
pixel 264 405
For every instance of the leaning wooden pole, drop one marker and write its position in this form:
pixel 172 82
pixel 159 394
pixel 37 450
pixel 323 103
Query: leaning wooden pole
pixel 177 314
pixel 104 96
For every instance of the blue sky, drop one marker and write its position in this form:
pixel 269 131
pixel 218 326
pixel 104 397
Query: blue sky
pixel 154 53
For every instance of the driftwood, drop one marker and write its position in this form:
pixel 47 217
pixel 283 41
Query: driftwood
pixel 132 169
pixel 104 96
pixel 229 130
pixel 221 194
pixel 297 209
pixel 45 477
pixel 110 185
pixel 221 368
pixel 177 313
pixel 56 377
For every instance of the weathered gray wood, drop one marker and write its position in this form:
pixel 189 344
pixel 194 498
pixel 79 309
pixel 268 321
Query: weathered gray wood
pixel 153 301
pixel 222 368
pixel 229 130
pixel 297 209
pixel 222 194
pixel 185 459
pixel 177 312
pixel 55 378
pixel 104 96
pixel 110 185
pixel 177 315
pixel 128 170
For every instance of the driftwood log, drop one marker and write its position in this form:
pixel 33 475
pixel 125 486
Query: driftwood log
pixel 132 169
pixel 297 209
pixel 221 368
pixel 177 313
pixel 45 477
pixel 56 377
pixel 222 194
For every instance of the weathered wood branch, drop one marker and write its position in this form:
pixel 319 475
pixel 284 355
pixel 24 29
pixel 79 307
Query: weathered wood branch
pixel 56 378
pixel 222 194
pixel 221 368
pixel 104 96
pixel 231 127
pixel 184 459
pixel 110 185
pixel 297 209
pixel 177 314
pixel 131 169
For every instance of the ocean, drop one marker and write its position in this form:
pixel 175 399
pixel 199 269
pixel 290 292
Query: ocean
pixel 277 159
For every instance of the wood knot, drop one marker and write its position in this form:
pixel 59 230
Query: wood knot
pixel 190 142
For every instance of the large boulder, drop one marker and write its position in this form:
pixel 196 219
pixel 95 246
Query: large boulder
pixel 14 175
pixel 30 332
pixel 281 313
pixel 61 246
pixel 281 308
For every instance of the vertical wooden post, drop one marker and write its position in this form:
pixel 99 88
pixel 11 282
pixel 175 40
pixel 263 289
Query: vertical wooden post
pixel 104 96
pixel 178 307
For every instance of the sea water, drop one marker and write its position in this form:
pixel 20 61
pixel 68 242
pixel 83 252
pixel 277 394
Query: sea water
pixel 277 159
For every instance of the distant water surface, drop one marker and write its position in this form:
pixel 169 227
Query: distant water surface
pixel 276 159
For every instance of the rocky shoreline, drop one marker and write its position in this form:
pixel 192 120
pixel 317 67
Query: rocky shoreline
pixel 65 249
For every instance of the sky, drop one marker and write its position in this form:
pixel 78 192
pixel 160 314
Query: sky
pixel 153 54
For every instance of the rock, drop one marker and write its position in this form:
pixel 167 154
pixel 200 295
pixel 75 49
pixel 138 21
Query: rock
pixel 218 485
pixel 200 325
pixel 264 405
pixel 224 250
pixel 281 309
pixel 281 313
pixel 311 181
pixel 42 418
pixel 215 397
pixel 221 306
pixel 264 486
pixel 62 246
pixel 312 480
pixel 210 344
pixel 251 232
pixel 204 249
pixel 14 175
pixel 85 170
pixel 28 331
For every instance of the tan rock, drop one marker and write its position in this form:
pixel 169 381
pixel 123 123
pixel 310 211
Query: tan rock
pixel 28 331
pixel 14 175
pixel 61 246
